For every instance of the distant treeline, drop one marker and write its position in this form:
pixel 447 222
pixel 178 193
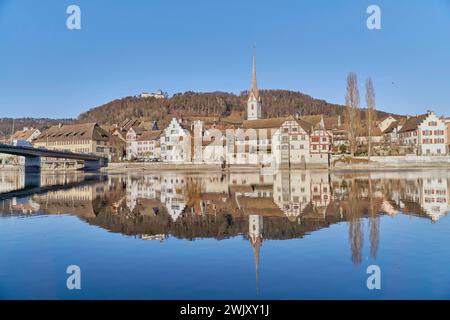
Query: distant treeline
pixel 6 124
pixel 276 103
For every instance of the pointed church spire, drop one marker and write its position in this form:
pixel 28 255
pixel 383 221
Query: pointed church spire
pixel 254 100
pixel 254 88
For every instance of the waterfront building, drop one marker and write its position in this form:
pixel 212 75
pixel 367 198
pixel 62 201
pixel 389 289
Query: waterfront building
pixel 80 138
pixel 447 124
pixel 176 143
pixel 291 142
pixel 143 145
pixel 390 134
pixel 321 142
pixel 426 133
pixel 214 148
pixel 27 135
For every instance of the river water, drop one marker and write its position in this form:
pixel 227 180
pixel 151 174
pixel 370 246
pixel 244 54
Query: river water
pixel 173 235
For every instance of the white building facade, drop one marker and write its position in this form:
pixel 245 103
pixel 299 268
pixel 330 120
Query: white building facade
pixel 426 133
pixel 176 143
pixel 143 145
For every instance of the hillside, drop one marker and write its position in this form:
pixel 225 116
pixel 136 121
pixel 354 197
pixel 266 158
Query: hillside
pixel 212 104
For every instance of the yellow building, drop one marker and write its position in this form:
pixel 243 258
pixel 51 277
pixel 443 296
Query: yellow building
pixel 79 138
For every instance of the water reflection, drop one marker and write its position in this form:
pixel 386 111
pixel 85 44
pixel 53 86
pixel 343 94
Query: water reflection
pixel 286 205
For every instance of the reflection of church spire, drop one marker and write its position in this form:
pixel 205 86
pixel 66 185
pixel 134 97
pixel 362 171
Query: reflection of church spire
pixel 256 238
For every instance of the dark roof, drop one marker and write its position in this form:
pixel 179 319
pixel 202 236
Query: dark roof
pixel 413 123
pixel 149 135
pixel 70 132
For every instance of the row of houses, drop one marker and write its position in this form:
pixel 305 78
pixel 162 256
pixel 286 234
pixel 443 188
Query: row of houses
pixel 427 134
pixel 283 141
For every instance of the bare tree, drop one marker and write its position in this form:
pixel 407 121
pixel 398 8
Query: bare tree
pixel 371 114
pixel 352 112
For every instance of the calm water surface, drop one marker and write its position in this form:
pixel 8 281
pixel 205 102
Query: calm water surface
pixel 172 235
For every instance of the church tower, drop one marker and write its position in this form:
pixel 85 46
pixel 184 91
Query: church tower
pixel 254 100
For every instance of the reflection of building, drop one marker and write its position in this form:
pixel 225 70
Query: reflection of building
pixel 426 195
pixel 286 205
pixel 146 187
pixel 292 192
pixel 320 189
pixel 78 200
pixel 172 194
pixel 10 181
pixel 434 197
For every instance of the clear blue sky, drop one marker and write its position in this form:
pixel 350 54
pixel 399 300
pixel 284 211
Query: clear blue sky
pixel 125 47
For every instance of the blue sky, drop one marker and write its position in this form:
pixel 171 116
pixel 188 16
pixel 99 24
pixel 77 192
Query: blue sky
pixel 125 47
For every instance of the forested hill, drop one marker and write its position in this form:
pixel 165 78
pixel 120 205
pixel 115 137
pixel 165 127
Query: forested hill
pixel 275 103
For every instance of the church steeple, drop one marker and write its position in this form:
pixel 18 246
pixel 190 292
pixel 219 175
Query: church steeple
pixel 254 89
pixel 254 100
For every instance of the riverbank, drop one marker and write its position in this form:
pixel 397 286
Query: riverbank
pixel 393 163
